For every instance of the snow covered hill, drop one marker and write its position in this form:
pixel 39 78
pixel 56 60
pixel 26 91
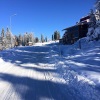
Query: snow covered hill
pixel 81 68
pixel 50 71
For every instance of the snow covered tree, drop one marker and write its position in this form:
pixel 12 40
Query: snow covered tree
pixel 20 40
pixel 94 25
pixel 31 37
pixel 3 40
pixel 31 40
pixel 9 38
pixel 2 33
pixel 92 19
pixel 26 39
pixel 96 33
pixel 16 41
pixel 97 7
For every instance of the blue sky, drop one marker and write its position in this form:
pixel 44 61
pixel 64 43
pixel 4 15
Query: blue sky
pixel 42 16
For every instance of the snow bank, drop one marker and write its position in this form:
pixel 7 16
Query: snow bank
pixel 80 68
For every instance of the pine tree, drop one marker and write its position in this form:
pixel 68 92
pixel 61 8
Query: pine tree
pixel 97 7
pixel 26 39
pixel 56 35
pixel 36 40
pixel 20 39
pixel 92 19
pixel 42 38
pixel 2 33
pixel 16 40
pixel 32 38
pixel 52 37
pixel 46 39
pixel 9 38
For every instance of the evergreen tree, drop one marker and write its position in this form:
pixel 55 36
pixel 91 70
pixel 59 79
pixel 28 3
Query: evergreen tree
pixel 56 35
pixel 52 38
pixel 9 38
pixel 16 41
pixel 92 19
pixel 26 39
pixel 42 38
pixel 97 7
pixel 2 33
pixel 32 38
pixel 46 39
pixel 36 40
pixel 20 40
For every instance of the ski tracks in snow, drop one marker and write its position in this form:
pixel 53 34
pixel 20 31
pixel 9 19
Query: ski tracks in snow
pixel 24 78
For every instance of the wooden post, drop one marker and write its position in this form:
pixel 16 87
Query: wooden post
pixel 79 44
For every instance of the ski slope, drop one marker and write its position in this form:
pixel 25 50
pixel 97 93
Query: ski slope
pixel 50 71
pixel 26 73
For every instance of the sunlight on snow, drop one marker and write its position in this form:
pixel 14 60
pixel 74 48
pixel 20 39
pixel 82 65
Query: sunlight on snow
pixel 76 63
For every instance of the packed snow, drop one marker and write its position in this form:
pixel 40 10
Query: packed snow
pixel 81 68
pixel 51 71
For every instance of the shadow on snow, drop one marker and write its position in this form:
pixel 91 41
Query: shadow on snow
pixel 32 89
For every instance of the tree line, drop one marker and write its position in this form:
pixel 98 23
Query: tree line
pixel 8 40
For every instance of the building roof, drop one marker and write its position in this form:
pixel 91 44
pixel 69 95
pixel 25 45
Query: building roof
pixel 70 27
pixel 84 18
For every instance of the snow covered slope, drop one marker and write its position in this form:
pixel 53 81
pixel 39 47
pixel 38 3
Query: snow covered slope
pixel 81 68
pixel 51 71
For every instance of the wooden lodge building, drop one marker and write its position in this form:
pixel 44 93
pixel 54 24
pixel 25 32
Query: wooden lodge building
pixel 73 33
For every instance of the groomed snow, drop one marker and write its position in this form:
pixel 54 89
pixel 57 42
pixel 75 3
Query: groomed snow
pixel 51 71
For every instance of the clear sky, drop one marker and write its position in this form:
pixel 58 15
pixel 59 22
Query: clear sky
pixel 42 16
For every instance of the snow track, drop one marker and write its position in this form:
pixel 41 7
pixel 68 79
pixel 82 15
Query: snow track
pixel 28 74
pixel 42 73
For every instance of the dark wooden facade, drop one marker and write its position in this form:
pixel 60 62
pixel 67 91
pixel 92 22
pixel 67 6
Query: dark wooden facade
pixel 72 34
